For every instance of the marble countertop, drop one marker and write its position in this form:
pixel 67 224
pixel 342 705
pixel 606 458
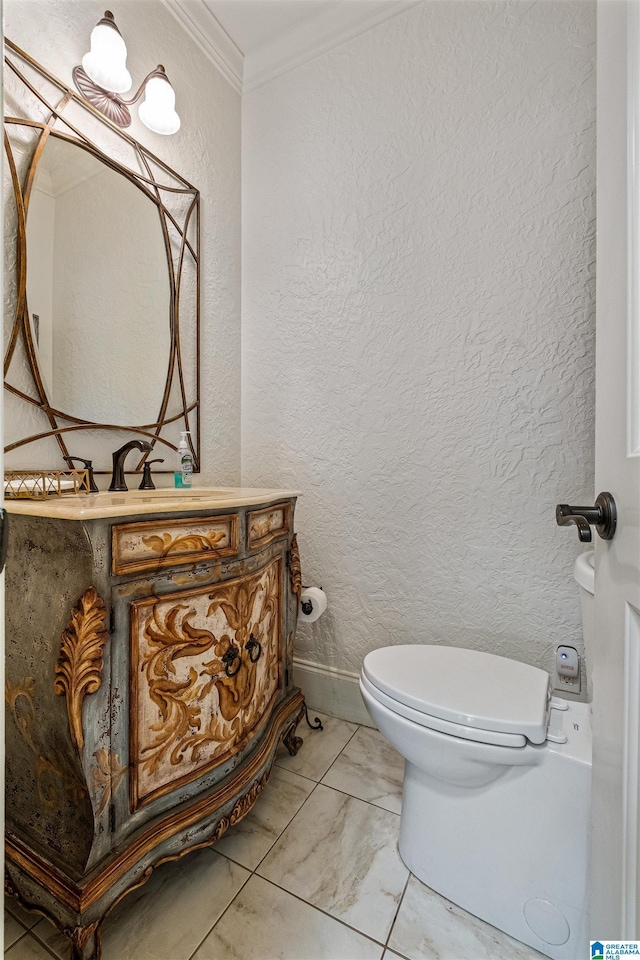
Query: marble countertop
pixel 133 502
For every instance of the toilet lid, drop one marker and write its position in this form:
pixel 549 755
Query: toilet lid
pixel 466 687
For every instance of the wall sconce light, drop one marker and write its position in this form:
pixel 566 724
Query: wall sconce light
pixel 103 76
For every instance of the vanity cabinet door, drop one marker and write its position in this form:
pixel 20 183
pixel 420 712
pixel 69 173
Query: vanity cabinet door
pixel 206 668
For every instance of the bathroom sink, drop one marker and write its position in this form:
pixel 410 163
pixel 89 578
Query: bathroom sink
pixel 131 503
pixel 168 495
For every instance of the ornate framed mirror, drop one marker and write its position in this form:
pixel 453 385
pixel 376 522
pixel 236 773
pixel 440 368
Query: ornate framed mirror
pixel 102 283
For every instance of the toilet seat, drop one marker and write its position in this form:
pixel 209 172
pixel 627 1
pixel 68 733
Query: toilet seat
pixel 443 726
pixel 464 693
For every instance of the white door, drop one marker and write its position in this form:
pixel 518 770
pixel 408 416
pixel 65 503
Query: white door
pixel 615 662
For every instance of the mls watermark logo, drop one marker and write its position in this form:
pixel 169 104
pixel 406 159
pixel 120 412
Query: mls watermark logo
pixel 614 949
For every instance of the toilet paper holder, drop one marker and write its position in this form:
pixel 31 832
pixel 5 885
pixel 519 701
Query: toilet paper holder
pixel 306 606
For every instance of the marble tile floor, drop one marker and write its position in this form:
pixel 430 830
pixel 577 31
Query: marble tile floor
pixel 312 873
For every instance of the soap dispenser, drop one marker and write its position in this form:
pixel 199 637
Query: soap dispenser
pixel 184 462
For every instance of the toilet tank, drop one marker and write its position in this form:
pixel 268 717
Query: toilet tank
pixel 584 574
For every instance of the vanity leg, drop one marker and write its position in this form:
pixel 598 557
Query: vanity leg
pixel 85 942
pixel 291 742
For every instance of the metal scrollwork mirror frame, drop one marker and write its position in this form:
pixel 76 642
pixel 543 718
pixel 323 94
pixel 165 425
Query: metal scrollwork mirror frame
pixel 68 116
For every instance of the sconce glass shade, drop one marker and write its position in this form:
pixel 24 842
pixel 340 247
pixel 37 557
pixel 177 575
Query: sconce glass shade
pixel 106 63
pixel 157 111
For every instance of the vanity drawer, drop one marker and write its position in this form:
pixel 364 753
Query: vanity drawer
pixel 268 524
pixel 165 543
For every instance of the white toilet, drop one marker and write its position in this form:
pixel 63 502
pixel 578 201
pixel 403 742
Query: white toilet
pixel 496 801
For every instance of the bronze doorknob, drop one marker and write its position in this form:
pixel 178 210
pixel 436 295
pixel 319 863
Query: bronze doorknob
pixel 602 516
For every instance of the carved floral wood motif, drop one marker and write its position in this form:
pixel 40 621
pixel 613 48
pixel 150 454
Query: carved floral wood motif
pixel 188 714
pixel 167 544
pixel 107 775
pixel 79 666
pixel 295 570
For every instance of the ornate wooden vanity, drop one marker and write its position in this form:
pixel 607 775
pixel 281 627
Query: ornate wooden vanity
pixel 149 682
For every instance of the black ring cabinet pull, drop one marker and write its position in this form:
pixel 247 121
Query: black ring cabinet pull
pixel 250 647
pixel 602 516
pixel 229 659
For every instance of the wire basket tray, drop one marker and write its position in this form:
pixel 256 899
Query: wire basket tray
pixel 42 484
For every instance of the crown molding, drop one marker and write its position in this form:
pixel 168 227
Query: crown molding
pixel 314 36
pixel 308 39
pixel 197 20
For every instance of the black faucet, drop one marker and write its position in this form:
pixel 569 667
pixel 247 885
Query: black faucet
pixel 117 477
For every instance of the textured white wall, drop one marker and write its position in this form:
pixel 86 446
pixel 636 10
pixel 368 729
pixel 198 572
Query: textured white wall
pixel 206 151
pixel 417 353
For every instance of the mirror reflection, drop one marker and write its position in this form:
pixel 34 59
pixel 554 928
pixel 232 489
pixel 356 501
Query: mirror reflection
pixel 98 291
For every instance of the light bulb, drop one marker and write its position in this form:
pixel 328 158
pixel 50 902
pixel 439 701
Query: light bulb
pixel 106 63
pixel 157 112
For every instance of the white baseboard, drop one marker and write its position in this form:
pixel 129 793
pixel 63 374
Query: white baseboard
pixel 335 692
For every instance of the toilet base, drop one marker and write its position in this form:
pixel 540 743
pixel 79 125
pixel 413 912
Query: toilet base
pixel 514 853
